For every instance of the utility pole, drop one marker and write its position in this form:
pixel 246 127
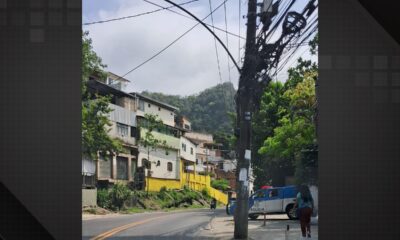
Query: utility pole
pixel 243 123
pixel 260 58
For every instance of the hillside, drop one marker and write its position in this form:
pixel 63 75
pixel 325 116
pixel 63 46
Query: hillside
pixel 208 110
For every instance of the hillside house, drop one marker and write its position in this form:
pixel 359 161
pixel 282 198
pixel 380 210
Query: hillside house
pixel 159 163
pixel 148 168
pixel 121 167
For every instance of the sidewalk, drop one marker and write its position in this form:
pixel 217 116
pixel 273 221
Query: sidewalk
pixel 223 227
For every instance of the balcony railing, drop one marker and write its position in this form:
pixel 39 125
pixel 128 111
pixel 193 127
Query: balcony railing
pixel 171 141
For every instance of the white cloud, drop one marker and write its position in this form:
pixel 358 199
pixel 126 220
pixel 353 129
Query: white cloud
pixel 187 67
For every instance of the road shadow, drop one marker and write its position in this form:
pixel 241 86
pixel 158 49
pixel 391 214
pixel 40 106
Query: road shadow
pixel 267 220
pixel 150 237
pixel 272 220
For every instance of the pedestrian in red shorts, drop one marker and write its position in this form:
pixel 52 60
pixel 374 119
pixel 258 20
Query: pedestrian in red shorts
pixel 305 204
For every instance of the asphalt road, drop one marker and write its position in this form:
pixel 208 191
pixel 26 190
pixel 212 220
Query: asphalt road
pixel 161 226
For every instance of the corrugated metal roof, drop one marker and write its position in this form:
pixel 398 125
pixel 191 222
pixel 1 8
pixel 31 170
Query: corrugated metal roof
pixel 155 101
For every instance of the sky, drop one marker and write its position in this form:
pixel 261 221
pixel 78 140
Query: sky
pixel 188 66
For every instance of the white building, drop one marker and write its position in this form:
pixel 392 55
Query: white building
pixel 163 163
pixel 159 162
pixel 164 111
pixel 202 152
pixel 188 154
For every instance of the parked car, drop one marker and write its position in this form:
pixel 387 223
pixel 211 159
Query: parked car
pixel 270 200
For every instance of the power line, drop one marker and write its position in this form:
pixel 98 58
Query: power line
pixel 227 44
pixel 240 16
pixel 137 15
pixel 302 41
pixel 169 45
pixel 215 41
pixel 279 20
pixel 296 48
pixel 183 15
pixel 229 67
pixel 209 30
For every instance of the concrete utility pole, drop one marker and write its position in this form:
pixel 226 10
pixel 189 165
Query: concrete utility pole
pixel 260 57
pixel 243 122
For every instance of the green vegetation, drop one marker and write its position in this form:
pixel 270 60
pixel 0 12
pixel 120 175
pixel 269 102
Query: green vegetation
pixel 103 198
pixel 208 111
pixel 94 108
pixel 220 184
pixel 151 123
pixel 120 198
pixel 284 129
pixel 119 194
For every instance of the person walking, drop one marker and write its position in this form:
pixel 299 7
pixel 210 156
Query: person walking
pixel 213 204
pixel 305 205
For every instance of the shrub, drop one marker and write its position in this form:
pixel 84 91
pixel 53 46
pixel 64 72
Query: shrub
pixel 220 184
pixel 103 198
pixel 119 194
pixel 205 192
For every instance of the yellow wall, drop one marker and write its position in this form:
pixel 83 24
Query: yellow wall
pixel 155 184
pixel 193 181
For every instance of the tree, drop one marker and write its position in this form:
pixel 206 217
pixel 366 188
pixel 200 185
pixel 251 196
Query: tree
pixel 149 124
pixel 208 111
pixel 296 127
pixel 95 109
pixel 272 108
pixel 284 129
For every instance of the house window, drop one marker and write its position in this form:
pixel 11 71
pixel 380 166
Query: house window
pixel 149 105
pixel 184 147
pixel 146 163
pixel 122 129
pixel 191 150
pixel 122 168
pixel 133 132
pixel 221 165
pixel 159 109
pixel 197 161
pixel 109 81
pixel 169 166
pixel 105 166
pixel 141 105
pixel 187 126
pixel 175 133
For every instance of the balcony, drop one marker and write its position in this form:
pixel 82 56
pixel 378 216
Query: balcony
pixel 172 141
pixel 122 115
pixel 125 117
